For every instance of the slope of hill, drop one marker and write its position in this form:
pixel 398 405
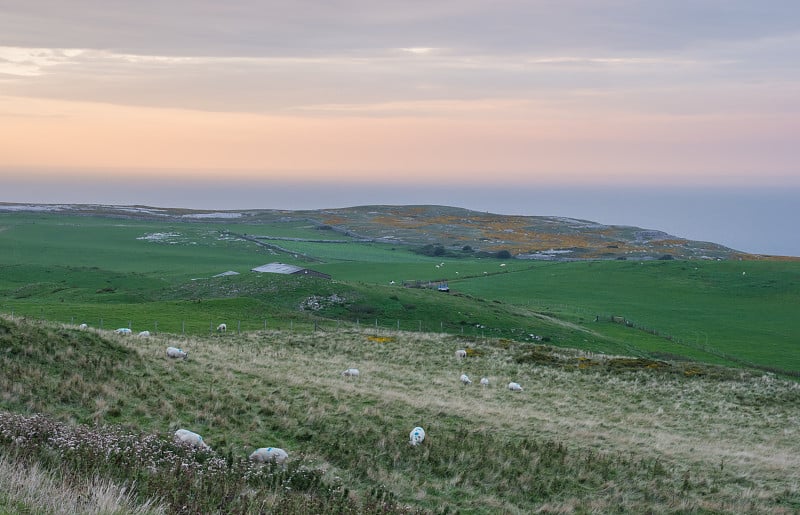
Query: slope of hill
pixel 524 237
pixel 589 433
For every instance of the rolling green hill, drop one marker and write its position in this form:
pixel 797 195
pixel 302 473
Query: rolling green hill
pixel 153 269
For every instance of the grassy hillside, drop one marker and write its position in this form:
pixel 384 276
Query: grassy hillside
pixel 589 433
pixel 154 274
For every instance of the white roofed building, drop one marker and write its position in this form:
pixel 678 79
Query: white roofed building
pixel 283 268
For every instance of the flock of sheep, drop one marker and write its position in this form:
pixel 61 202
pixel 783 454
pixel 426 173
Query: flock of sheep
pixel 126 331
pixel 417 435
pixel 275 454
pixel 186 437
pixel 260 455
pixel 462 353
pixel 192 439
pixel 279 456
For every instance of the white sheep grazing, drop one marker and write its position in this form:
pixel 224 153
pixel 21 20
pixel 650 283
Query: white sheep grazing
pixel 514 387
pixel 174 352
pixel 186 437
pixel 83 326
pixel 465 379
pixel 222 328
pixel 461 353
pixel 351 372
pixel 416 436
pixel 269 455
pixel 123 330
pixel 484 381
pixel 144 334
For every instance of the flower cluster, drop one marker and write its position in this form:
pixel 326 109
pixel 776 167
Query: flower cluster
pixel 155 465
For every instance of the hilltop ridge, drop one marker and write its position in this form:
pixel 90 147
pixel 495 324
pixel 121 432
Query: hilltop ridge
pixel 451 229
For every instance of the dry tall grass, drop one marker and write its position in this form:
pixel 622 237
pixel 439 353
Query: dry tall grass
pixel 587 434
pixel 31 489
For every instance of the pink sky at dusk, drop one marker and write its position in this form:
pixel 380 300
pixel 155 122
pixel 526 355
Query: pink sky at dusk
pixel 471 144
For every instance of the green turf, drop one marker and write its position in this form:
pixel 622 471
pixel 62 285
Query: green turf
pixel 158 274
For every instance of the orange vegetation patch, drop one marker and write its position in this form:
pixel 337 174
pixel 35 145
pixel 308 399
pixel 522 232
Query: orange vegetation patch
pixel 380 339
pixel 764 257
pixel 541 241
pixel 404 222
pixel 335 220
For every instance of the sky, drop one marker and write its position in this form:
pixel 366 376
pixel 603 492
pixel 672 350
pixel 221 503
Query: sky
pixel 680 116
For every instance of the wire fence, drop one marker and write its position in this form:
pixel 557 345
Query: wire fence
pixel 238 326
pixel 696 345
pixel 197 327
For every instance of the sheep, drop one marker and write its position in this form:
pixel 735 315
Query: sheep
pixel 484 381
pixel 416 436
pixel 186 437
pixel 269 455
pixel 465 379
pixel 174 352
pixel 123 331
pixel 221 328
pixel 83 326
pixel 144 334
pixel 461 353
pixel 350 372
pixel 514 387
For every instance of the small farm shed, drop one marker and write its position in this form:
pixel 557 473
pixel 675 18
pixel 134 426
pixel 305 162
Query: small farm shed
pixel 282 268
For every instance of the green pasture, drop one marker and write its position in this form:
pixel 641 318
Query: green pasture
pixel 142 273
pixel 118 245
pixel 302 229
pixel 744 308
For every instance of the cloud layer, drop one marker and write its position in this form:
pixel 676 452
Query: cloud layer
pixel 552 91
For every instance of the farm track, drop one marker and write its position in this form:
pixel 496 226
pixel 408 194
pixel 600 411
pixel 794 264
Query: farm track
pixel 275 248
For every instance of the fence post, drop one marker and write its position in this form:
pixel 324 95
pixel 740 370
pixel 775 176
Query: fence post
pixel 156 328
pixel 183 326
pixel 101 323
